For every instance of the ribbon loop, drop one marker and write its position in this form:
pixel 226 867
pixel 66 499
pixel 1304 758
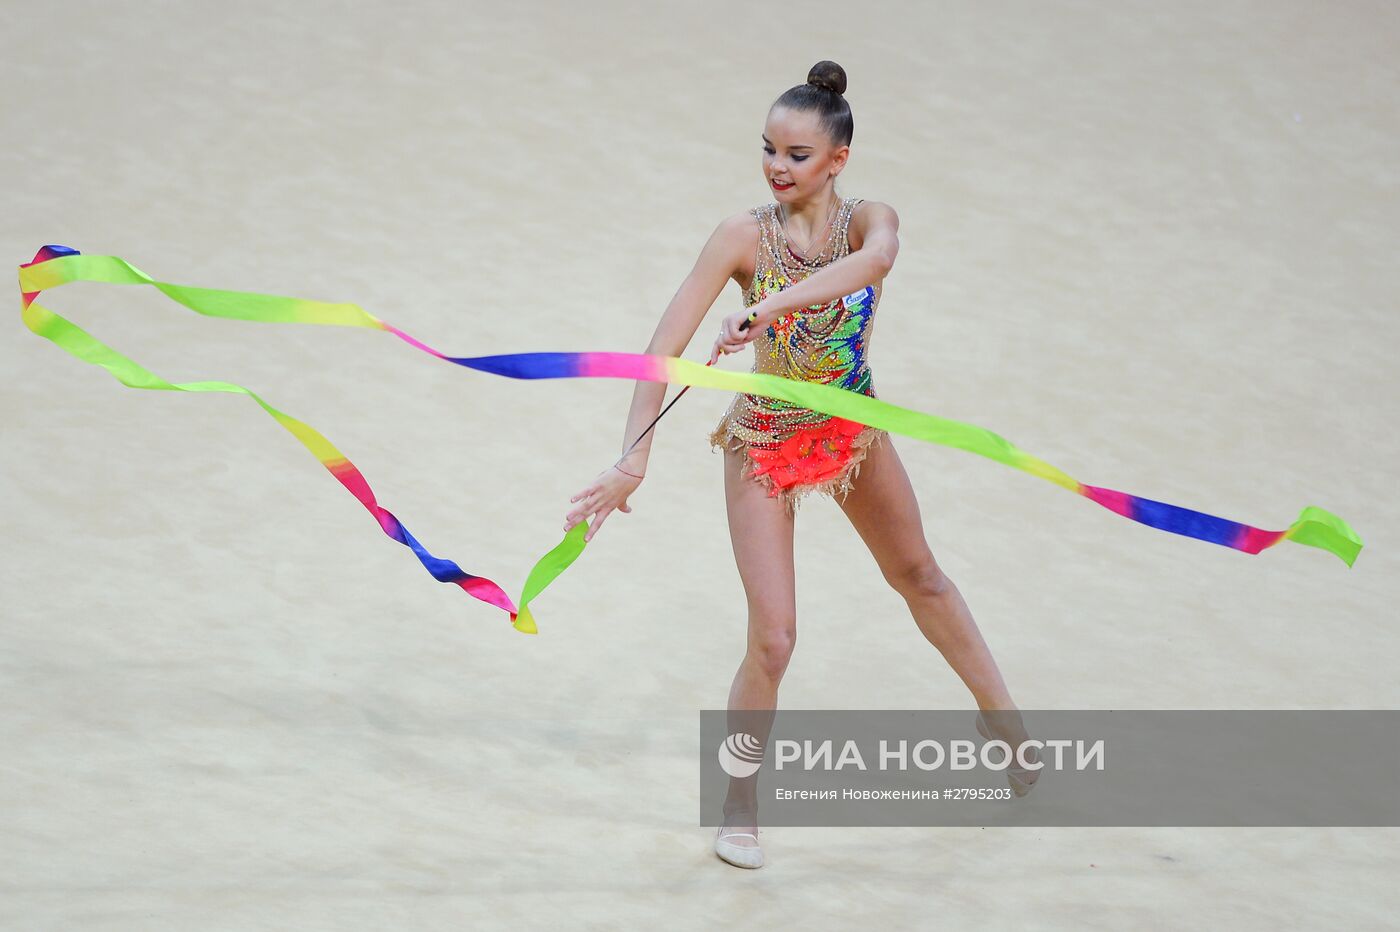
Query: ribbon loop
pixel 58 265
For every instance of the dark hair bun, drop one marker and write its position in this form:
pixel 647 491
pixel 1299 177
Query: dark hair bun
pixel 829 75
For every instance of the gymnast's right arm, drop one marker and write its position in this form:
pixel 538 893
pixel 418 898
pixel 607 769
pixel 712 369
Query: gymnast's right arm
pixel 719 260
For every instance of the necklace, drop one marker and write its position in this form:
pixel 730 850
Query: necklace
pixel 788 263
pixel 803 257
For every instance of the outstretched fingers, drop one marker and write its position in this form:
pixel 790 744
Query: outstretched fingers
pixel 596 502
pixel 585 508
pixel 593 528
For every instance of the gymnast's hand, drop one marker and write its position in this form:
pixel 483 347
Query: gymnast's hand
pixel 607 493
pixel 731 339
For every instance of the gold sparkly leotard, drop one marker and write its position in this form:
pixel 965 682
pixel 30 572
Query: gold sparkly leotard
pixel 791 449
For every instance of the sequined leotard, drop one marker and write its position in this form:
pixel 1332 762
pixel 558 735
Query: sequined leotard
pixel 791 449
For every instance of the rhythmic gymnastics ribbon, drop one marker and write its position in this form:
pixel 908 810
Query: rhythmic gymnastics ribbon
pixel 753 316
pixel 55 265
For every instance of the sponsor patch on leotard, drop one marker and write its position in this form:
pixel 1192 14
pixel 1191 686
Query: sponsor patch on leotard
pixel 858 297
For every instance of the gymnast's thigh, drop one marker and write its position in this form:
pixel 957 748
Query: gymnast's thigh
pixel 761 533
pixel 883 509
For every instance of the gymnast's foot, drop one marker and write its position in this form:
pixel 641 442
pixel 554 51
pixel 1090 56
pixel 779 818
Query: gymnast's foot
pixel 736 841
pixel 1006 725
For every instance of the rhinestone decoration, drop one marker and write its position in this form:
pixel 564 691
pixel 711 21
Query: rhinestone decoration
pixel 793 450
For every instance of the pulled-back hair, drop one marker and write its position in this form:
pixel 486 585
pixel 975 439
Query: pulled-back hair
pixel 826 83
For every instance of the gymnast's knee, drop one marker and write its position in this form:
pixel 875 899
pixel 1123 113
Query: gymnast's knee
pixel 771 649
pixel 918 579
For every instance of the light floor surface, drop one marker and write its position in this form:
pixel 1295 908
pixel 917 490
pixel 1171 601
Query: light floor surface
pixel 1152 244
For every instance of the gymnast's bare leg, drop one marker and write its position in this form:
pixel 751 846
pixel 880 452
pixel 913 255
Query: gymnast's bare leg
pixel 761 533
pixel 883 509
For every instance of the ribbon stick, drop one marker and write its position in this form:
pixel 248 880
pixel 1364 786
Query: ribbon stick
pixel 58 265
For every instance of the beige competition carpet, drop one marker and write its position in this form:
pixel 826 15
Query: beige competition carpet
pixel 1153 244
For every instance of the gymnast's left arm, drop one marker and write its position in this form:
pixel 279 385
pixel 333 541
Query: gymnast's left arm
pixel 876 225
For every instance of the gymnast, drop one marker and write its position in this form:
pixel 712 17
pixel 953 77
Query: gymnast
pixel 811 265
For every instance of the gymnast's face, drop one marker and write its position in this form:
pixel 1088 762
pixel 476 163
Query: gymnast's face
pixel 799 160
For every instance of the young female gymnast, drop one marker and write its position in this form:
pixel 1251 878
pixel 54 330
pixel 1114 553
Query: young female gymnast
pixel 804 262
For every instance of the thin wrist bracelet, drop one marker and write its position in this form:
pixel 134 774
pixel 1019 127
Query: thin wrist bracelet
pixel 626 473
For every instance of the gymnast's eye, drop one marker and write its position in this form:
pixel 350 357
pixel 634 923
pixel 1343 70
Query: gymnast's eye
pixel 795 158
